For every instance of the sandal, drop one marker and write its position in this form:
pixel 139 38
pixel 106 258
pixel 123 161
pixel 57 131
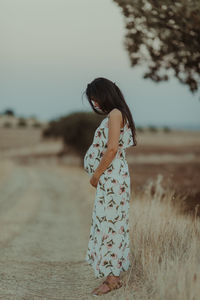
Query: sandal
pixel 111 285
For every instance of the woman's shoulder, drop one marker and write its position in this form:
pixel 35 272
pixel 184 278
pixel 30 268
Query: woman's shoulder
pixel 117 112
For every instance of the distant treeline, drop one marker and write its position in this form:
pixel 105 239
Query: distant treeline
pixel 9 119
pixel 77 130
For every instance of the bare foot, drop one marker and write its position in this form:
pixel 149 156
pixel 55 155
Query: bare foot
pixel 103 288
pixel 111 282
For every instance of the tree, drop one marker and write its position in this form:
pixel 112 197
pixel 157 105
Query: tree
pixel 9 112
pixel 164 34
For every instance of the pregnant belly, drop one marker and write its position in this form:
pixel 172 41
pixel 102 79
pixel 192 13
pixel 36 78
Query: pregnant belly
pixel 92 159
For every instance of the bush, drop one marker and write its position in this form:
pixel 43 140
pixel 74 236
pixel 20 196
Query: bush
pixel 152 128
pixel 9 112
pixel 166 129
pixel 52 130
pixel 139 128
pixel 76 130
pixel 22 122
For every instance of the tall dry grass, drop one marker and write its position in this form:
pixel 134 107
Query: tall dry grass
pixel 165 248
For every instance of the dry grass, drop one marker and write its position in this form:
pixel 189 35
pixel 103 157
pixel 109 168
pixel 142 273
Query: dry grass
pixel 165 248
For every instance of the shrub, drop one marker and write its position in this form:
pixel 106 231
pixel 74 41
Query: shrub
pixel 140 128
pixel 152 128
pixel 166 129
pixel 76 130
pixel 22 122
pixel 52 129
pixel 9 112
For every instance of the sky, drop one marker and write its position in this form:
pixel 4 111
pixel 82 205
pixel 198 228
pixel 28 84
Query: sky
pixel 51 49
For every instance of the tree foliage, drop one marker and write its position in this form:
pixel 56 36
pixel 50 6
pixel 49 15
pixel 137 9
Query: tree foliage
pixel 165 35
pixel 9 112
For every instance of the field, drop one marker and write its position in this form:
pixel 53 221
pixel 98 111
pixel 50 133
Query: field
pixel 46 204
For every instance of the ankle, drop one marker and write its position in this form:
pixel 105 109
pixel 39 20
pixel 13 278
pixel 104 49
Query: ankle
pixel 113 278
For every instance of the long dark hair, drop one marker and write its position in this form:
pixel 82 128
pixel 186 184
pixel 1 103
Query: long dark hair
pixel 108 95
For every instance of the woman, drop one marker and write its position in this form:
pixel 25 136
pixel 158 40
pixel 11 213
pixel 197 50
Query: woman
pixel 105 161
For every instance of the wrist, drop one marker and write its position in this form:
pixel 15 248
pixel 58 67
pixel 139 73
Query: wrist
pixel 96 175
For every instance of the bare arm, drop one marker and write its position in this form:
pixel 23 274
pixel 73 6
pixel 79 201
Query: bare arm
pixel 114 122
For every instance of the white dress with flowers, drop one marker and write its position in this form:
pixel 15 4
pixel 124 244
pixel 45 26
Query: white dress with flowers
pixel 108 249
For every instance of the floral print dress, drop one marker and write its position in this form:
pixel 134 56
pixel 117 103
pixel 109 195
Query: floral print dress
pixel 108 249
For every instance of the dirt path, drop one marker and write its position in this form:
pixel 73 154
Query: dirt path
pixel 45 215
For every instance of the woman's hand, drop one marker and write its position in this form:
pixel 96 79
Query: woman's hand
pixel 94 180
